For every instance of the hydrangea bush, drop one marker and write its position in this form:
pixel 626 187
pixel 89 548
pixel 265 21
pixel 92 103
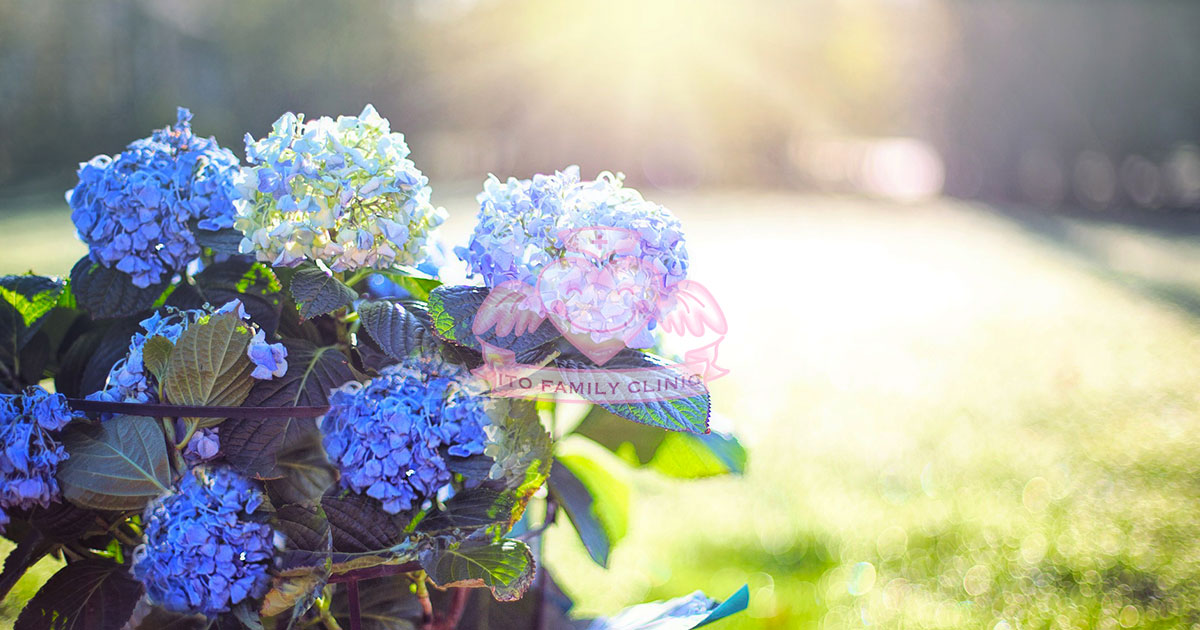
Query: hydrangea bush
pixel 253 403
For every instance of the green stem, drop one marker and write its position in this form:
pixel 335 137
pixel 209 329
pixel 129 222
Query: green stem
pixel 191 430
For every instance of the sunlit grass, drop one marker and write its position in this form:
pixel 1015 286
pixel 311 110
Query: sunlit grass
pixel 955 420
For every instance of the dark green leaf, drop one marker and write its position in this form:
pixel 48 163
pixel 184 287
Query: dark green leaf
pixel 596 502
pixel 359 523
pixel 318 292
pixel 308 542
pixel 119 464
pixel 35 356
pixel 62 521
pixel 304 471
pixel 483 611
pixel 225 241
pixel 468 511
pixel 506 567
pixel 689 414
pixel 254 284
pixel 84 595
pixel 150 617
pixel 312 372
pixel 32 297
pixel 109 293
pixel 113 345
pixel 397 332
pixel 209 366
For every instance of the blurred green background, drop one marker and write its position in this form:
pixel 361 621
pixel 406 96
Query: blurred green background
pixel 956 243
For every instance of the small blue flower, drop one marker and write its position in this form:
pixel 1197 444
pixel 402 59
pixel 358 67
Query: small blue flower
pixel 270 359
pixel 29 453
pixel 135 210
pixel 206 549
pixel 385 435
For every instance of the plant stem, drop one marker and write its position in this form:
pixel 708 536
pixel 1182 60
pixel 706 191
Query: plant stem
pixel 352 600
pixel 423 597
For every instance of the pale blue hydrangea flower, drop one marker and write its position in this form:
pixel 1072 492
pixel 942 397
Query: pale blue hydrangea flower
pixel 340 191
pixel 136 210
pixel 128 380
pixel 204 446
pixel 385 435
pixel 206 546
pixel 524 225
pixel 29 453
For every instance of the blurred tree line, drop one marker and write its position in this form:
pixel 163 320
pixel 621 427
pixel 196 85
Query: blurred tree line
pixel 1055 102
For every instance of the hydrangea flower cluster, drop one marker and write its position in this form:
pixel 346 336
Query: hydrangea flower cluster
pixel 128 380
pixel 135 210
pixel 524 225
pixel 343 192
pixel 29 454
pixel 385 435
pixel 206 549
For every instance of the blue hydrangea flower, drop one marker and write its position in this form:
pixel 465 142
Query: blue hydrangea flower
pixel 128 380
pixel 204 445
pixel 524 225
pixel 343 192
pixel 385 435
pixel 29 454
pixel 136 210
pixel 206 548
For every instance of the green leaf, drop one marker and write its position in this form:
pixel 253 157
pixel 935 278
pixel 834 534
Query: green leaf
pixel 468 511
pixel 318 292
pixel 396 331
pixel 522 452
pixel 225 241
pixel 682 613
pixel 254 284
pixel 289 593
pixel 305 471
pixel 156 354
pixel 506 567
pixel 84 595
pixel 688 414
pixel 452 310
pixel 209 365
pixel 306 532
pixel 32 297
pixel 680 455
pixel 109 293
pixel 119 464
pixel 596 502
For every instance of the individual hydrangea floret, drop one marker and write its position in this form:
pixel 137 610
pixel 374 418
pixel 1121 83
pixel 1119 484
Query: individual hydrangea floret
pixel 204 445
pixel 206 547
pixel 137 210
pixel 387 435
pixel 29 452
pixel 128 380
pixel 524 226
pixel 340 191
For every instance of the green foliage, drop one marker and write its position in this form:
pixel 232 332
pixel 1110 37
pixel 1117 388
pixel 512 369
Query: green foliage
pixel 506 566
pixel 317 292
pixel 681 455
pixel 209 367
pixel 396 331
pixel 107 293
pixel 119 464
pixel 688 414
pixel 84 595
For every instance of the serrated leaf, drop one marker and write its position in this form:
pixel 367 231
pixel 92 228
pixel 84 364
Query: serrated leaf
pixel 596 502
pixel 688 414
pixel 522 452
pixel 224 241
pixel 156 354
pixel 506 567
pixel 118 464
pixel 312 372
pixel 254 284
pixel 32 297
pixel 307 538
pixel 84 595
pixel 209 366
pixel 360 525
pixel 452 310
pixel 396 331
pixel 108 293
pixel 318 292
pixel 290 592
pixel 113 346
pixel 469 510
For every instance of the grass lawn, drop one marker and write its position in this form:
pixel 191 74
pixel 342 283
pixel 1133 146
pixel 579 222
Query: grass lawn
pixel 957 418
